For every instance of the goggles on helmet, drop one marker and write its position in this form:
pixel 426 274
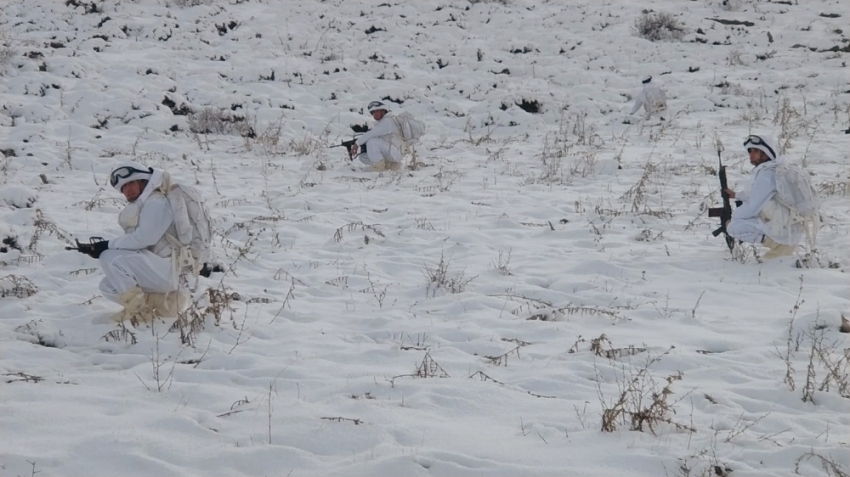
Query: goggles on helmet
pixel 758 141
pixel 375 106
pixel 125 172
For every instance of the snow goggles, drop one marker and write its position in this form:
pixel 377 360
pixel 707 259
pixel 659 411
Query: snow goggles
pixel 758 141
pixel 125 172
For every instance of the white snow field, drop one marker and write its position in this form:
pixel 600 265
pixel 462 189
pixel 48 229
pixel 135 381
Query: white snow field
pixel 537 293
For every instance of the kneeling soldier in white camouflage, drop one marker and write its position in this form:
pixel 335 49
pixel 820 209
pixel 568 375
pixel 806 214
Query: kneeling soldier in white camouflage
pixel 761 218
pixel 383 142
pixel 652 99
pixel 138 268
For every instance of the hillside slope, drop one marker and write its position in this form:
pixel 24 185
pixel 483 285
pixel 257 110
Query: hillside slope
pixel 541 272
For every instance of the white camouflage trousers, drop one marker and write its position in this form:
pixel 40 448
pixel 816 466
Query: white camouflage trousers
pixel 124 269
pixel 380 149
pixel 747 230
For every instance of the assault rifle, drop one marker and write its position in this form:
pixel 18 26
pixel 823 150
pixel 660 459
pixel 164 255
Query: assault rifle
pixel 85 248
pixel 347 145
pixel 725 212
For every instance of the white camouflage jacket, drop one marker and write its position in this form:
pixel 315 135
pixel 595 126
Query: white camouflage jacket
pixel 386 128
pixel 146 221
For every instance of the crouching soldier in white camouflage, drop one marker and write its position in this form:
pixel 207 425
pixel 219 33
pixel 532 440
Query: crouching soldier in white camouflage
pixel 652 99
pixel 383 142
pixel 761 218
pixel 138 267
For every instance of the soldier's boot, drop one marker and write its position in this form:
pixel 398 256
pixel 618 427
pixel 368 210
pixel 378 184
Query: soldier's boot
pixel 379 166
pixel 777 250
pixel 136 309
pixel 167 305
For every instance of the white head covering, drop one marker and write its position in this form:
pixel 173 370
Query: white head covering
pixel 762 143
pixel 377 106
pixel 128 171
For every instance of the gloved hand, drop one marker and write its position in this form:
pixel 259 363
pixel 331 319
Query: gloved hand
pixel 210 268
pixel 94 249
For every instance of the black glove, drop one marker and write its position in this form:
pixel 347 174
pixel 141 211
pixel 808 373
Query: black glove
pixel 94 249
pixel 210 268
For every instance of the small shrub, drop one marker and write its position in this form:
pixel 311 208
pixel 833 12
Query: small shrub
pixel 439 278
pixel 306 145
pixel 659 26
pixel 17 286
pixel 190 3
pixel 735 58
pixel 640 404
pixel 6 51
pixel 215 121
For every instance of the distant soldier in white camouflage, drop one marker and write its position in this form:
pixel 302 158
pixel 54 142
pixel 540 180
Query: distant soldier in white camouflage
pixel 652 99
pixel 383 142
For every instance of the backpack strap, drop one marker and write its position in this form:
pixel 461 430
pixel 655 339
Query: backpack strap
pixel 182 260
pixel 811 225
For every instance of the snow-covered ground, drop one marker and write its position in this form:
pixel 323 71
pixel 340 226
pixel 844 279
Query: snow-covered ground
pixel 532 278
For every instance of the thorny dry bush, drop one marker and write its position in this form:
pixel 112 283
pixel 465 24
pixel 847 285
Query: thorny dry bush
pixel 6 51
pixel 838 187
pixel 306 146
pixel 23 377
pixel 828 464
pixel 503 263
pixel 43 225
pixel 659 26
pixel 637 194
pixel 553 170
pixel 484 138
pixel 439 278
pixel 824 358
pixel 640 403
pixel 537 309
pixel 428 368
pixel 787 118
pixel 17 286
pixel 702 463
pixel 212 120
pixel 603 348
pixel 190 3
pixel 340 232
pixel 190 322
pixel 268 140
pixel 734 58
pixel 815 259
pixel 32 328
pixel 122 333
pixel 557 146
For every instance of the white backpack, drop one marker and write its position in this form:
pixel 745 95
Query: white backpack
pixel 410 128
pixel 193 244
pixel 794 190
